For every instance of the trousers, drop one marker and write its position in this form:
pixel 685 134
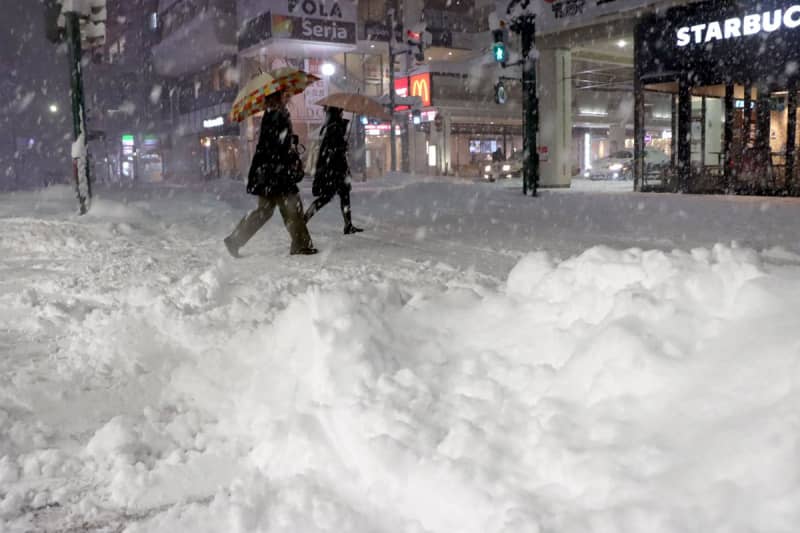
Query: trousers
pixel 291 207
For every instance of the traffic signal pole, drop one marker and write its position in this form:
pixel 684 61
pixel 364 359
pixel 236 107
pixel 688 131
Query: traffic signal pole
pixel 525 25
pixel 80 151
pixel 392 136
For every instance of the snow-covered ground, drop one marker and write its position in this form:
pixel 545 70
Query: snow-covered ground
pixel 476 361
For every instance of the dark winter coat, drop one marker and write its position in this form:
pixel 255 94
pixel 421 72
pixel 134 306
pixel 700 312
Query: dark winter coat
pixel 332 169
pixel 269 173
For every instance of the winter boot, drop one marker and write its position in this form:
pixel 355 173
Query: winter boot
pixel 304 251
pixel 350 229
pixel 232 248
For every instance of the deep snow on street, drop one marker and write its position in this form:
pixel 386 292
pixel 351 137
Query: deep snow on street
pixel 476 361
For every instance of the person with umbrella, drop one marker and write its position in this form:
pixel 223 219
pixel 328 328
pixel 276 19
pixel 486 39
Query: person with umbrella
pixel 274 171
pixel 332 175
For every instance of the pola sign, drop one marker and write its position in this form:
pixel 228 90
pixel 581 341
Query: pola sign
pixel 323 21
pixel 736 27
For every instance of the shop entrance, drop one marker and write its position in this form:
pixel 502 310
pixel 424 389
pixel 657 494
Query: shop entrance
pixel 733 96
pixel 736 143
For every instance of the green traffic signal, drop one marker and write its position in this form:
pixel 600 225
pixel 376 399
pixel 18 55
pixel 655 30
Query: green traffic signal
pixel 500 52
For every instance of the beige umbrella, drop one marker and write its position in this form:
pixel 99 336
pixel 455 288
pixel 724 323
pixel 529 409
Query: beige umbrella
pixel 252 96
pixel 357 104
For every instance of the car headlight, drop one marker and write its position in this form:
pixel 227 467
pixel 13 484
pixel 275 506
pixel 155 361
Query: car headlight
pixel 615 167
pixel 487 168
pixel 506 168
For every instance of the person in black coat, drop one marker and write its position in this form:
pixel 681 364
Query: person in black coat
pixel 332 175
pixel 273 178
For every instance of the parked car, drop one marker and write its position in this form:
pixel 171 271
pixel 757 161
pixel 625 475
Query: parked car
pixel 619 165
pixel 508 168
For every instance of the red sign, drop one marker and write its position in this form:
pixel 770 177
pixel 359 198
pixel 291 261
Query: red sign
pixel 401 86
pixel 417 85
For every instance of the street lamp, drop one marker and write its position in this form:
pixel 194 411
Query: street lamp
pixel 328 69
pixel 53 108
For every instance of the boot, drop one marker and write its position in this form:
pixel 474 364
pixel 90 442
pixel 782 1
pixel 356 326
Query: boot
pixel 304 251
pixel 232 248
pixel 349 228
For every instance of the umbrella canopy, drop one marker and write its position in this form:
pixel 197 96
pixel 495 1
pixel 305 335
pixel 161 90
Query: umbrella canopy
pixel 251 97
pixel 356 103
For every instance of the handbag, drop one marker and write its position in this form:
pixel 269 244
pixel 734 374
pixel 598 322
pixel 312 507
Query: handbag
pixel 296 168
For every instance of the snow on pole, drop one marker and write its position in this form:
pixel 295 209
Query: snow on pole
pixel 81 20
pixel 80 159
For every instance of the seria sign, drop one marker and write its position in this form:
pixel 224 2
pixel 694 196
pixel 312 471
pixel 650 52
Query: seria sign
pixel 736 27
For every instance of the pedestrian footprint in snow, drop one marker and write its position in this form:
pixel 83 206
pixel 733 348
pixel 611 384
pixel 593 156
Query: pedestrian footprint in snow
pixel 332 175
pixel 273 177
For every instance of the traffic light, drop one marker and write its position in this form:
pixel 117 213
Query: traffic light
pixel 416 117
pixel 499 48
pixel 92 16
pixel 500 94
pixel 419 37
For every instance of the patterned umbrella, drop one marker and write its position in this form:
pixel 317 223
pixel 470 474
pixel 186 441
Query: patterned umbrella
pixel 251 97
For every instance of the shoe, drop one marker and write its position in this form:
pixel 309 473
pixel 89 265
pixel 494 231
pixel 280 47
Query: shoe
pixel 350 229
pixel 304 251
pixel 232 248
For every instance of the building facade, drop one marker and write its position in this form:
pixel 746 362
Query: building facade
pixel 123 96
pixel 196 55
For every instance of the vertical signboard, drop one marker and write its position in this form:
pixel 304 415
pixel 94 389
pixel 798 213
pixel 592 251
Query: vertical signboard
pixel 315 92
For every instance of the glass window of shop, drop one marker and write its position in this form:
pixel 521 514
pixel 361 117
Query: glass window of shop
pixel 374 10
pixel 730 72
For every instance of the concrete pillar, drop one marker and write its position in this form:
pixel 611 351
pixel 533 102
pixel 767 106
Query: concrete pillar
pixel 555 117
pixel 616 137
pixel 417 151
pixel 447 146
pixel 441 139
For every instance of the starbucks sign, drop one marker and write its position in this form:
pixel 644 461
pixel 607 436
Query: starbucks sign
pixel 736 27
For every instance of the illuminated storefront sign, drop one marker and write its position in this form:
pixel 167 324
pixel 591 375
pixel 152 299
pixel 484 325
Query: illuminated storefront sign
pixel 417 85
pixel 714 42
pixel 735 27
pixel 128 143
pixel 421 86
pixel 214 122
pixel 315 20
pixel 330 22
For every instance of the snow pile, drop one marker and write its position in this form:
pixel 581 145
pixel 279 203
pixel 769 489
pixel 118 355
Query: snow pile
pixel 616 391
pixel 611 392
